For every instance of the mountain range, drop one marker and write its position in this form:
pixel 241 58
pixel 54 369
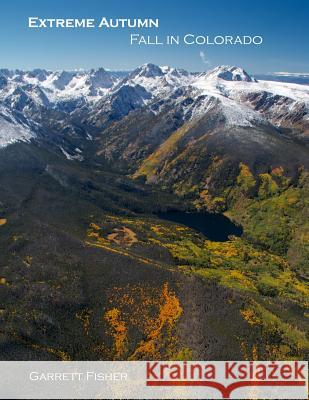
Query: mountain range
pixel 240 99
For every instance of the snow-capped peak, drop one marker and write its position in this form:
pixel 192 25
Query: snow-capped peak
pixel 229 73
pixel 157 80
pixel 147 71
pixel 100 79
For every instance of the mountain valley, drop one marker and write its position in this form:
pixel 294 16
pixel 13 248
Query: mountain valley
pixel 106 181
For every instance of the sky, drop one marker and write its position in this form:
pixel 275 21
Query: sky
pixel 283 25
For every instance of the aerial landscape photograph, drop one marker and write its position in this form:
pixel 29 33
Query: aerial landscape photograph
pixel 154 198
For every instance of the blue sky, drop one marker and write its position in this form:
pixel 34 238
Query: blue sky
pixel 283 24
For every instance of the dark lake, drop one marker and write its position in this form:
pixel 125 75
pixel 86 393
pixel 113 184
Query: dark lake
pixel 215 227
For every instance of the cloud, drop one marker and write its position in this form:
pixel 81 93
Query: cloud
pixel 204 58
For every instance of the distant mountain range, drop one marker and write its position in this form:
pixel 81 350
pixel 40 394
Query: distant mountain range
pixel 243 100
pixel 289 77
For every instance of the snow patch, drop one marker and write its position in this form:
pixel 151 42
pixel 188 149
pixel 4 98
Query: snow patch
pixel 11 130
pixel 74 157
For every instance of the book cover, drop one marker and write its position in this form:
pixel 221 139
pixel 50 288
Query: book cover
pixel 154 194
